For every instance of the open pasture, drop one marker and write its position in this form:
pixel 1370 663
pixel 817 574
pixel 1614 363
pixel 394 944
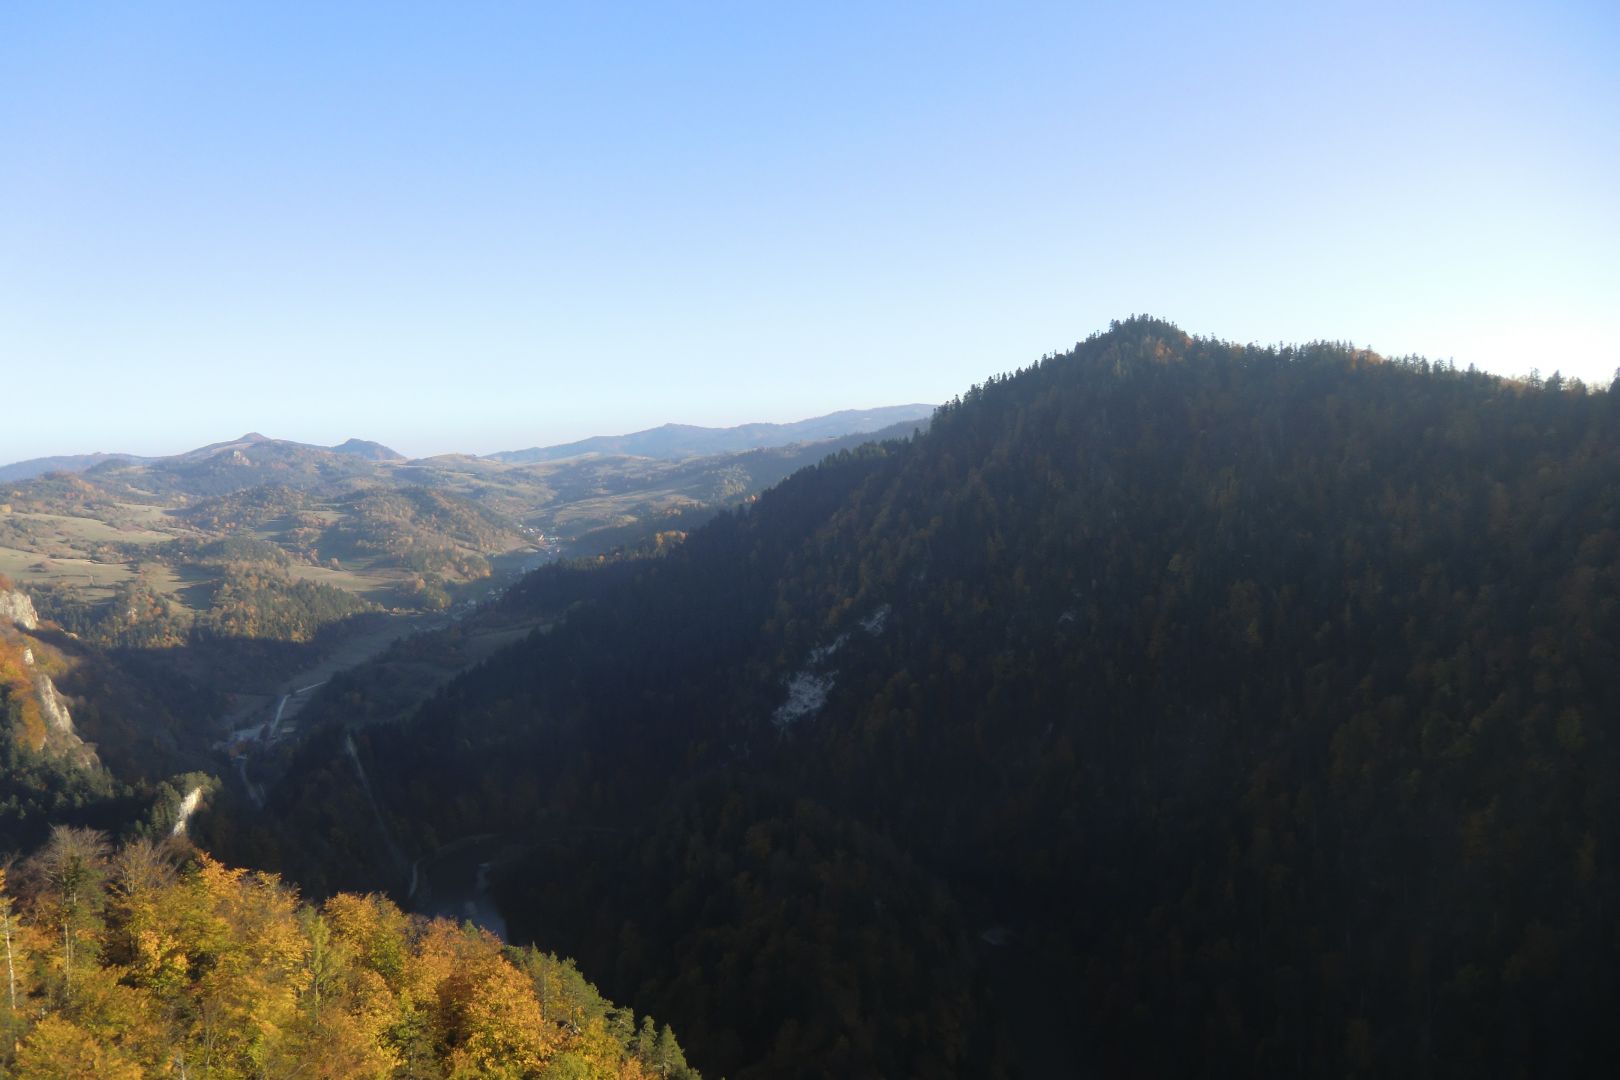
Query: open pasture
pixel 63 528
pixel 32 568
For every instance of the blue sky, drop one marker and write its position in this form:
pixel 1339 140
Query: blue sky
pixel 481 226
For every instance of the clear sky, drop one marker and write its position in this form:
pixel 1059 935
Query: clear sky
pixel 481 226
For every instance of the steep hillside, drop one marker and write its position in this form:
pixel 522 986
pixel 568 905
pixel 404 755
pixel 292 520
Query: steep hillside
pixel 1254 703
pixel 153 959
pixel 82 741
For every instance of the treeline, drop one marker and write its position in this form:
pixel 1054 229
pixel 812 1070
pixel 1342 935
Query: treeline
pixel 252 601
pixel 56 492
pixel 250 508
pixel 154 960
pixel 441 538
pixel 257 599
pixel 223 551
pixel 411 522
pixel 136 616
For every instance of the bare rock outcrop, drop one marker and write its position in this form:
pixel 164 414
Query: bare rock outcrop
pixel 188 806
pixel 16 607
pixel 55 709
pixel 61 736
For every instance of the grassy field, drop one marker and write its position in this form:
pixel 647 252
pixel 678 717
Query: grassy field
pixel 375 584
pixel 150 515
pixel 72 530
pixel 98 579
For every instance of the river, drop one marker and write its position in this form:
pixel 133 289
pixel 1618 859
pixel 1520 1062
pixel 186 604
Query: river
pixel 453 883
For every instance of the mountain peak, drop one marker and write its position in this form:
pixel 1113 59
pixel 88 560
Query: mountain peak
pixel 370 451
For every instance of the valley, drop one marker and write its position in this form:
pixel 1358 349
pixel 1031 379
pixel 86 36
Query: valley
pixel 359 519
pixel 233 582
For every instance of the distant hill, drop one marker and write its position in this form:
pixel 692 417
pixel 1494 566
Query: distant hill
pixel 225 467
pixel 281 450
pixel 370 451
pixel 73 463
pixel 675 441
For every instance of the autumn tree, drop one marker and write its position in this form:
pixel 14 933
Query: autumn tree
pixel 71 869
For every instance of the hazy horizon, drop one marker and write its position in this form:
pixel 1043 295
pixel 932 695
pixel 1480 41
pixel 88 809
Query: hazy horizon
pixel 165 450
pixel 484 229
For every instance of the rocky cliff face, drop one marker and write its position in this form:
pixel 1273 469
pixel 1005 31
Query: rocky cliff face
pixel 45 721
pixel 54 707
pixel 61 736
pixel 16 607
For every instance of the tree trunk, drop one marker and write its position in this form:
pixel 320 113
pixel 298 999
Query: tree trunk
pixel 11 972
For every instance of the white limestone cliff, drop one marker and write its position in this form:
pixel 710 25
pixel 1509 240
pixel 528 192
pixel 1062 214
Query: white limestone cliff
pixel 16 607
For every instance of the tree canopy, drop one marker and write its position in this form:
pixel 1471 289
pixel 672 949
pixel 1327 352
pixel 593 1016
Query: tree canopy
pixel 158 961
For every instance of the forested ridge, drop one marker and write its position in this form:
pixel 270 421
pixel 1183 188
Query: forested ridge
pixel 1267 689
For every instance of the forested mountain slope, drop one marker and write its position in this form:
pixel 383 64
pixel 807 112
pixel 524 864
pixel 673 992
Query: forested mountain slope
pixel 83 740
pixel 1269 690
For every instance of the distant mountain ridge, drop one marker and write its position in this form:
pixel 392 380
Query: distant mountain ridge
pixel 669 442
pixel 267 484
pixel 72 463
pixel 79 463
pixel 674 441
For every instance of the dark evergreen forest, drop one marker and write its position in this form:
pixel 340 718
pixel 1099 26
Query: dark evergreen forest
pixel 1265 695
